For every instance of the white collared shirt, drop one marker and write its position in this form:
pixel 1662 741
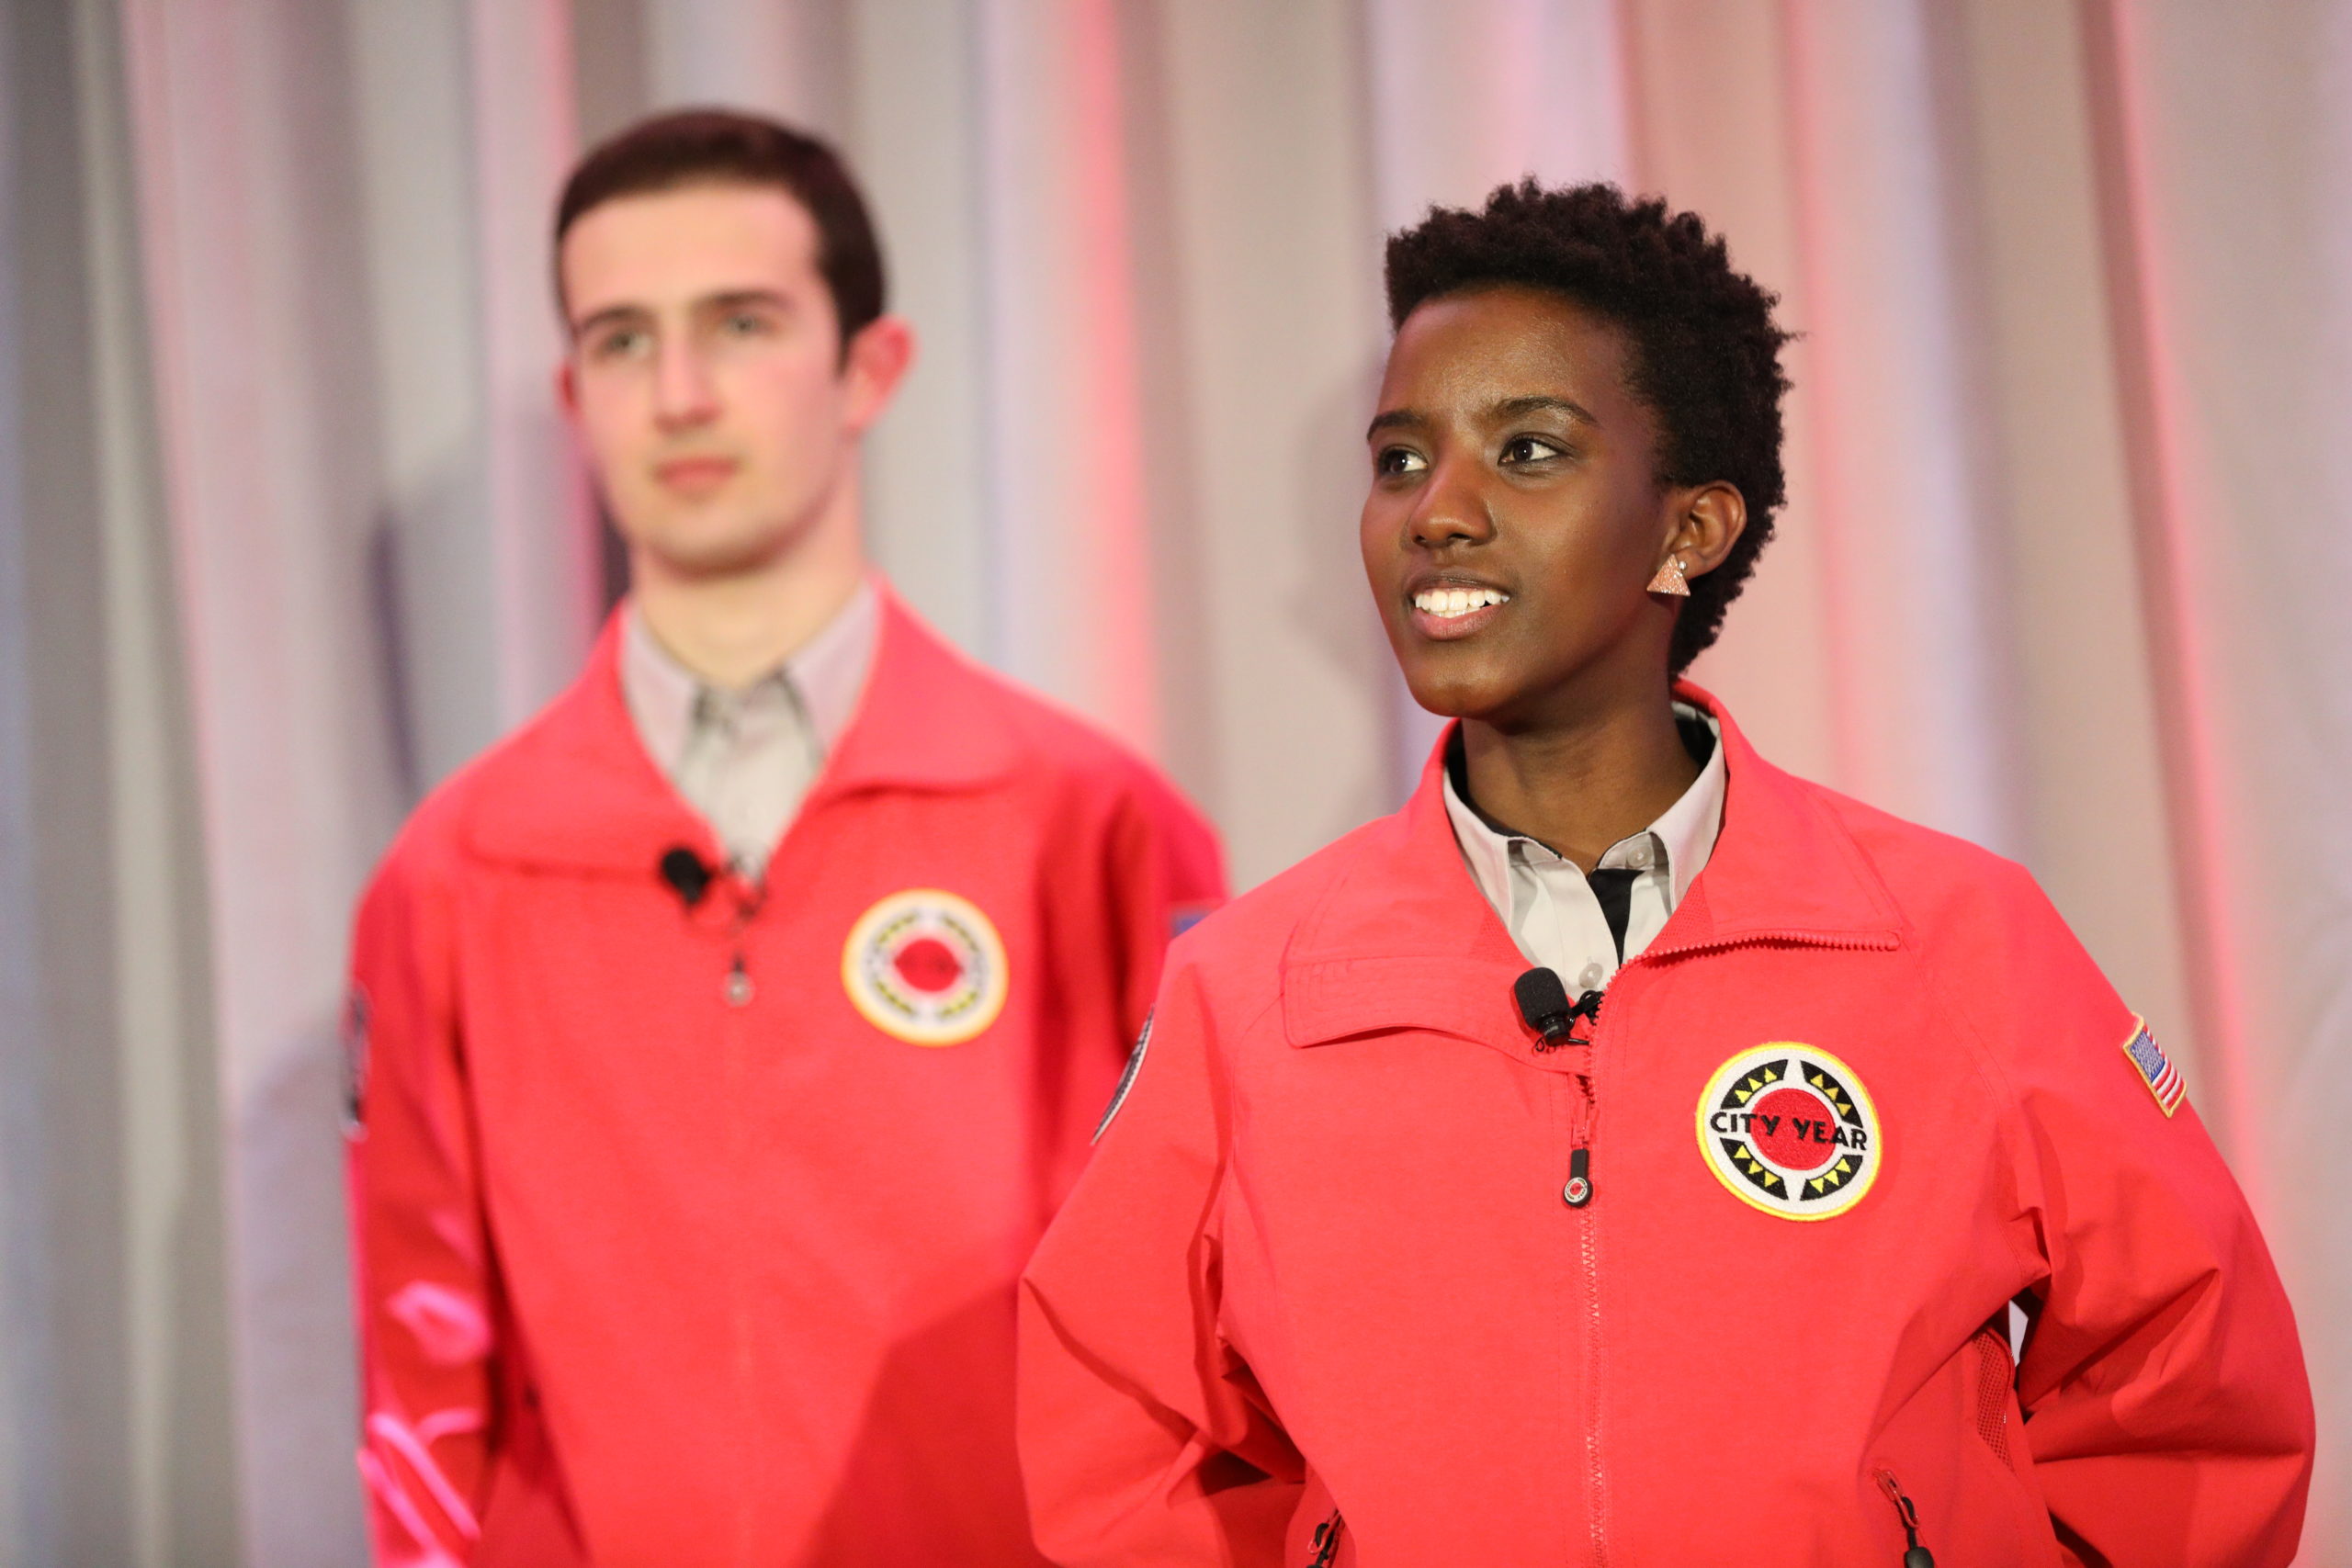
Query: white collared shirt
pixel 1551 912
pixel 744 759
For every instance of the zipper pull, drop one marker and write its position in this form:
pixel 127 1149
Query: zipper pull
pixel 1327 1540
pixel 1578 1191
pixel 1915 1555
pixel 738 985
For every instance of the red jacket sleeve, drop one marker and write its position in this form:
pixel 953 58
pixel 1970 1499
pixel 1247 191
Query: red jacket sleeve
pixel 419 1251
pixel 1156 867
pixel 1167 871
pixel 452 1452
pixel 1142 1437
pixel 2163 1384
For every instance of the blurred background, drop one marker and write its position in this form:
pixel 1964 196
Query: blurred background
pixel 289 529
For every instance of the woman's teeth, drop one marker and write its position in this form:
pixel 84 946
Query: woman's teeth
pixel 1446 603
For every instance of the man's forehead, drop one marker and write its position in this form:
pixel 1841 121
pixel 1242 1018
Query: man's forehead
pixel 670 247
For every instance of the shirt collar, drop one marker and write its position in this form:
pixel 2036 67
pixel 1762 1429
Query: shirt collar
pixel 1687 830
pixel 827 674
pixel 1684 834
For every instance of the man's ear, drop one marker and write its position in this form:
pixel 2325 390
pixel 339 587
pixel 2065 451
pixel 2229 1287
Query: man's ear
pixel 1708 522
pixel 877 360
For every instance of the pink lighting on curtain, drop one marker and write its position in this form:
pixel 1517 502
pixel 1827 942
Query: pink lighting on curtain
pixel 1113 514
pixel 544 533
pixel 1071 554
pixel 2165 485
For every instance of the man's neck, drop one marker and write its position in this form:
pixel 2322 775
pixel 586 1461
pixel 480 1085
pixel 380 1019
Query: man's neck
pixel 1580 785
pixel 731 628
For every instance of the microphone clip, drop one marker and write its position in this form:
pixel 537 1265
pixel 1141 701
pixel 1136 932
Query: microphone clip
pixel 1544 1007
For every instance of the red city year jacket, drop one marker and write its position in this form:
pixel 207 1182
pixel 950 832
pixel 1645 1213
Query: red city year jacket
pixel 1325 1295
pixel 689 1236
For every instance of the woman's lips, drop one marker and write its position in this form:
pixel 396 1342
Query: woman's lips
pixel 1448 611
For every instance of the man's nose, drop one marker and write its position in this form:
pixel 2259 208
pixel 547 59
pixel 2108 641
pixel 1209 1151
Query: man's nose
pixel 684 395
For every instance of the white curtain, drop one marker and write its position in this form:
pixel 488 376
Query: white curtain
pixel 290 529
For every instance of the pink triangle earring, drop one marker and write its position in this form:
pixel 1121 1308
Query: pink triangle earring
pixel 1669 580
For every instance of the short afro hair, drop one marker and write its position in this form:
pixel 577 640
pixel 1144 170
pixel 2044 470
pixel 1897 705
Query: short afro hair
pixel 689 147
pixel 1706 353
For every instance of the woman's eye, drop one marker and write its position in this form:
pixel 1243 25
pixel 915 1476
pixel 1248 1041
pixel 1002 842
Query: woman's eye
pixel 1529 449
pixel 1398 460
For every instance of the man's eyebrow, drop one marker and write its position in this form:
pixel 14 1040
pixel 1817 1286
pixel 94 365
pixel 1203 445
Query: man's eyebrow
pixel 733 298
pixel 1395 418
pixel 609 315
pixel 1511 408
pixel 725 300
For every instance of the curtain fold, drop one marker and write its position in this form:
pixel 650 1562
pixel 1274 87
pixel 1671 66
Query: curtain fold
pixel 2067 519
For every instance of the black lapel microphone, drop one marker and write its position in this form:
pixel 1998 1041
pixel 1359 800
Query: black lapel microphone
pixel 1543 1003
pixel 688 875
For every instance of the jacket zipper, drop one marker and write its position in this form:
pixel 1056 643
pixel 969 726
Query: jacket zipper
pixel 1327 1540
pixel 1914 1554
pixel 738 993
pixel 1578 1191
pixel 1584 1110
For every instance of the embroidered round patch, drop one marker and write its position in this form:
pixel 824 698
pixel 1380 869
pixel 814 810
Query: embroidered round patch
pixel 1791 1130
pixel 925 967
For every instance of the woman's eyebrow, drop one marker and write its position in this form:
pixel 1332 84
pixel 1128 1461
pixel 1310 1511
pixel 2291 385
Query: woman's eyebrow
pixel 1512 408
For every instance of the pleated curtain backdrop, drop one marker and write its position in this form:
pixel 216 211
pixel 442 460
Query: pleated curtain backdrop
pixel 289 528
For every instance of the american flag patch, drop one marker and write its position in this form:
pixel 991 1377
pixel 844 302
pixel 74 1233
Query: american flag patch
pixel 2156 1069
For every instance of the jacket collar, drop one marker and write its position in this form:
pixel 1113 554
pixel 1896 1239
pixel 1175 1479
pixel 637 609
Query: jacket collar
pixel 1402 936
pixel 576 791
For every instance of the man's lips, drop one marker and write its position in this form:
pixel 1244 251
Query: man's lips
pixel 1449 609
pixel 695 477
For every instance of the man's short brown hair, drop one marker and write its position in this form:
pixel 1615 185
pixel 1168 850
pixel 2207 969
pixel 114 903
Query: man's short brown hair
pixel 722 147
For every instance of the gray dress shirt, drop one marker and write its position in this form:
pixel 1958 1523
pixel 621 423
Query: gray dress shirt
pixel 745 758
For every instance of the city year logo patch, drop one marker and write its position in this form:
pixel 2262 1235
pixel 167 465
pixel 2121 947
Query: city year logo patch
pixel 925 967
pixel 1789 1130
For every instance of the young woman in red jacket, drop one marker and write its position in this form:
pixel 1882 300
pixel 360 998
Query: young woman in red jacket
pixel 1607 1159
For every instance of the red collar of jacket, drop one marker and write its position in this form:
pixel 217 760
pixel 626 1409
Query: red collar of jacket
pixel 579 792
pixel 1403 938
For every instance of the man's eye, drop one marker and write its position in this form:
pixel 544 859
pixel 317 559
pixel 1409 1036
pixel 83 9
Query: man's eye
pixel 623 343
pixel 1398 460
pixel 743 323
pixel 1529 449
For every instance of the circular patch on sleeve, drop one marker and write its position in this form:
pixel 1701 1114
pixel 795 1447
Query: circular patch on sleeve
pixel 926 967
pixel 1791 1130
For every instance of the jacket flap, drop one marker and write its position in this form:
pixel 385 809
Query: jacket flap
pixel 1468 999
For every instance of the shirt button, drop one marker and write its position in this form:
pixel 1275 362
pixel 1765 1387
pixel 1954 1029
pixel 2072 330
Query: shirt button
pixel 738 988
pixel 1588 978
pixel 1638 857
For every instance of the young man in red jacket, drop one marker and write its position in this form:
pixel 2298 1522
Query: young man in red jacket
pixel 1610 1158
pixel 727 1036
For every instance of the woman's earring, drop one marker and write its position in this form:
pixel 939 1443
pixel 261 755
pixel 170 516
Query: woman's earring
pixel 1669 580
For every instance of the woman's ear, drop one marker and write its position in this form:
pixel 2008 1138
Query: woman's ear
pixel 1707 521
